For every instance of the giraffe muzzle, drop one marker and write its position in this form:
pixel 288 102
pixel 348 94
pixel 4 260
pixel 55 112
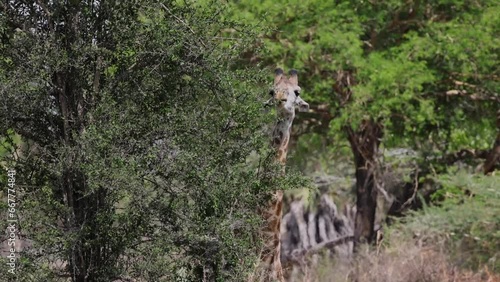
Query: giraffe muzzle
pixel 272 101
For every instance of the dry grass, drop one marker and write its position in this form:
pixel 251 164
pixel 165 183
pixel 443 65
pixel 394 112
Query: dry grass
pixel 405 263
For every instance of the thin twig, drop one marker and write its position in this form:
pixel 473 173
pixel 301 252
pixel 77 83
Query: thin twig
pixel 414 193
pixel 181 21
pixel 384 193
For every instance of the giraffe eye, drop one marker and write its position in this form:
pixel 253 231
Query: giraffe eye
pixel 297 93
pixel 271 92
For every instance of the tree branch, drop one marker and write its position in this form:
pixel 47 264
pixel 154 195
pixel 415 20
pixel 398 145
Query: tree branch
pixel 298 254
pixel 465 154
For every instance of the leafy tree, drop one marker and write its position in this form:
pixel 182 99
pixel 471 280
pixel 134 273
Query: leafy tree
pixel 141 138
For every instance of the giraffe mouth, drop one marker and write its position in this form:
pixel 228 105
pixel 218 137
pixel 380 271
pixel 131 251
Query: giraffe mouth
pixel 272 101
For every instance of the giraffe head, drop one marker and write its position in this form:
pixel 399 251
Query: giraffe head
pixel 285 93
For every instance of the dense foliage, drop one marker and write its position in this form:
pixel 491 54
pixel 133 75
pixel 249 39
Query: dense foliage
pixel 142 152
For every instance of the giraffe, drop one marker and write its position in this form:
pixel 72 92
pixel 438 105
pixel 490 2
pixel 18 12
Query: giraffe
pixel 285 95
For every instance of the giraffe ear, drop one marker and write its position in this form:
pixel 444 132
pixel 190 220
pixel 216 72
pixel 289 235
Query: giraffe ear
pixel 278 74
pixel 294 79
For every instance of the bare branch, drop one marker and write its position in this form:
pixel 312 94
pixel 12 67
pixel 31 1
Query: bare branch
pixel 181 21
pixel 412 198
pixel 299 254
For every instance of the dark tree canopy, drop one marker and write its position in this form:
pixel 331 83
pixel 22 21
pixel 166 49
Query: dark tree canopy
pixel 142 139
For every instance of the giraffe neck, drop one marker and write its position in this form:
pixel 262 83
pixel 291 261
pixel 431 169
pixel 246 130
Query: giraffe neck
pixel 281 137
pixel 272 252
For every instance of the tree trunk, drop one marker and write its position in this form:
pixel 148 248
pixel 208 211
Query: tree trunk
pixel 493 158
pixel 89 254
pixel 364 144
